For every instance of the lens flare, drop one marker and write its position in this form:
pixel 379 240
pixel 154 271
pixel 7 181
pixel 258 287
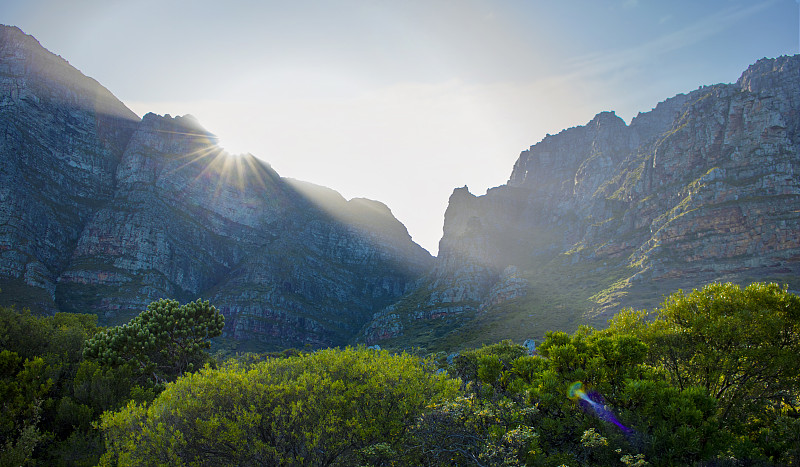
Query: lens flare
pixel 576 393
pixel 574 389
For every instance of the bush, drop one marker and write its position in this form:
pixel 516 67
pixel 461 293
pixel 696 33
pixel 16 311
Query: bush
pixel 332 407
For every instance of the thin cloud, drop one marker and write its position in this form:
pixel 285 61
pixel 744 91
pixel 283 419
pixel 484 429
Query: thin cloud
pixel 602 63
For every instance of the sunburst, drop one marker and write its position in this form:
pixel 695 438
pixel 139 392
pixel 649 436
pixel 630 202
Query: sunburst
pixel 212 163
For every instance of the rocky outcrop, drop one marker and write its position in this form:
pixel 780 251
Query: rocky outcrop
pixel 103 212
pixel 704 187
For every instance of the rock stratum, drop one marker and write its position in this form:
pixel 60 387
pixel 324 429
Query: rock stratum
pixel 103 212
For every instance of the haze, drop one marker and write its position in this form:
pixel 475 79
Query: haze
pixel 403 101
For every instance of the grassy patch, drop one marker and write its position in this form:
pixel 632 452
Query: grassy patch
pixel 560 296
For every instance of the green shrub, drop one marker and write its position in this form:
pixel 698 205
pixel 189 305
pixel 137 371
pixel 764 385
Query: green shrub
pixel 332 407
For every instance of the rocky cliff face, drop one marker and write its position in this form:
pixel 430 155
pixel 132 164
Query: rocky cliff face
pixel 61 138
pixel 288 263
pixel 704 187
pixel 103 212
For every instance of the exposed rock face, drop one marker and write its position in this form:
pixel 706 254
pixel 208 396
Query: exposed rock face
pixel 718 195
pixel 704 187
pixel 103 212
pixel 61 138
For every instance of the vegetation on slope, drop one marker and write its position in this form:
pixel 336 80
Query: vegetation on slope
pixel 709 378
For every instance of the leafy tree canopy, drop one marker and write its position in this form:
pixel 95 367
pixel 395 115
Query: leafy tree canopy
pixel 332 407
pixel 740 345
pixel 39 359
pixel 161 343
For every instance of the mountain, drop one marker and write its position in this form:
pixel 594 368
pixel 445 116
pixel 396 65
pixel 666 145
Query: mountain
pixel 102 212
pixel 704 187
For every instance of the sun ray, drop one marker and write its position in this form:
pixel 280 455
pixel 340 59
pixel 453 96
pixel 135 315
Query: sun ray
pixel 220 177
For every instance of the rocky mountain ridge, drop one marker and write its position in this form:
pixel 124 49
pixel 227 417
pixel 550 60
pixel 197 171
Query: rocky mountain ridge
pixel 704 187
pixel 103 212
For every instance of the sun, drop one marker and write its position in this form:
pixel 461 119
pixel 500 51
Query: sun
pixel 231 146
pixel 222 173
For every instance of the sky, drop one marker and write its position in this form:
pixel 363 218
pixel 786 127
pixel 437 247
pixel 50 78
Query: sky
pixel 404 101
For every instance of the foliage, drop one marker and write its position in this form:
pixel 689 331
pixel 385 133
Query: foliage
pixel 485 365
pixel 651 397
pixel 161 343
pixel 331 407
pixel 470 430
pixel 738 346
pixel 38 364
pixel 49 395
pixel 710 378
pixel 22 389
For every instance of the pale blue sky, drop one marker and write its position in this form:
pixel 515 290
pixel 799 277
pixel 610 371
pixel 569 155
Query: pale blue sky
pixel 402 101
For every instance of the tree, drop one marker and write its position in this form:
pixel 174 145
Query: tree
pixel 473 430
pixel 331 407
pixel 739 346
pixel 23 387
pixel 522 410
pixel 161 343
pixel 39 409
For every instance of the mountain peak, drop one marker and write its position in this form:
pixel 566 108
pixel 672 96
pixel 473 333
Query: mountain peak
pixel 702 188
pixel 105 212
pixel 606 118
pixel 27 64
pixel 770 74
pixel 186 123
